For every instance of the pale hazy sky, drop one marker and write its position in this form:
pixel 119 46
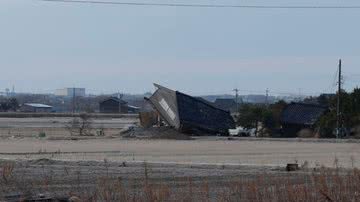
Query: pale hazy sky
pixel 109 48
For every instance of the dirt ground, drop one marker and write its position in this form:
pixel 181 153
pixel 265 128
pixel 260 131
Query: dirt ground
pixel 54 127
pixel 19 140
pixel 211 159
pixel 206 150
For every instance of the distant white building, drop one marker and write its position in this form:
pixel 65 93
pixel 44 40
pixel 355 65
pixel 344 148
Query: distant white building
pixel 71 92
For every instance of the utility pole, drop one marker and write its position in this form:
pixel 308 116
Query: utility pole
pixel 338 110
pixel 267 97
pixel 237 99
pixel 299 99
pixel 120 96
pixel 73 101
pixel 13 90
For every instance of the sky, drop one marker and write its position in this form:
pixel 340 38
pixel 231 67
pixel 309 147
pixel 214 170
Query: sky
pixel 113 48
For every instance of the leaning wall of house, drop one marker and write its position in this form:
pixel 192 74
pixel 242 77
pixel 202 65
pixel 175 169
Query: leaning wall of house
pixel 165 102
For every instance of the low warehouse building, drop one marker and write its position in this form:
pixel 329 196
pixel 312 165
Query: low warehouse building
pixel 36 107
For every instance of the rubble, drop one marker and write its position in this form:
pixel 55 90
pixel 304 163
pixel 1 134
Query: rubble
pixel 163 132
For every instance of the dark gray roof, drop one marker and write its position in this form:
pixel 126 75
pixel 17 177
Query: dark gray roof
pixel 201 114
pixel 186 113
pixel 114 99
pixel 302 114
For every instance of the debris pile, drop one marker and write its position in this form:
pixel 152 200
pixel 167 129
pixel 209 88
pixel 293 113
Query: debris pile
pixel 155 133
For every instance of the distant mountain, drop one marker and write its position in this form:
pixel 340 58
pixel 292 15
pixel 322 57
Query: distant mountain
pixel 212 98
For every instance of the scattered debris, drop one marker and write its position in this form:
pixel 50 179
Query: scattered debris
pixel 190 115
pixel 155 133
pixel 292 167
pixel 43 161
pixel 74 199
pixel 42 134
pixel 39 198
pixel 242 132
pixel 148 119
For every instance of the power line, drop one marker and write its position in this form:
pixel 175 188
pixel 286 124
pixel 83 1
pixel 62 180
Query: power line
pixel 333 83
pixel 203 5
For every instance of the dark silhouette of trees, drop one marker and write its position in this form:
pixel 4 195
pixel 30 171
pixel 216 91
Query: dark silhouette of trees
pixel 9 105
pixel 350 114
pixel 252 115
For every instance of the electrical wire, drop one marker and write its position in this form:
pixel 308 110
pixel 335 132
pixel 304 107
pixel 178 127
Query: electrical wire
pixel 203 5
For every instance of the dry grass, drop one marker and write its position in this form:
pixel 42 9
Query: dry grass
pixel 323 184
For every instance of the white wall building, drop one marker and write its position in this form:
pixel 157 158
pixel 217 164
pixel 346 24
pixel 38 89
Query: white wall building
pixel 70 92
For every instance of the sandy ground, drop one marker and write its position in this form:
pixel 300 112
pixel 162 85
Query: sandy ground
pixel 68 165
pixel 54 127
pixel 205 150
pixel 60 122
pixel 19 140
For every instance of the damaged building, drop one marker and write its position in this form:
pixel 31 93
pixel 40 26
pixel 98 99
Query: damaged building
pixel 188 114
pixel 298 116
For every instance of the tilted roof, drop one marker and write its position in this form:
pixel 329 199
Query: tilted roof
pixel 302 113
pixel 186 112
pixel 201 114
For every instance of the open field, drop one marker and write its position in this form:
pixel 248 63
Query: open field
pixel 206 165
pixel 59 115
pixel 54 127
pixel 200 151
pixel 19 140
pixel 59 122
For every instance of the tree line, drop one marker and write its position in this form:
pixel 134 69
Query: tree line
pixel 266 119
pixel 9 104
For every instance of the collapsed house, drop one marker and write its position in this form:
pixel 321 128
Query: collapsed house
pixel 298 116
pixel 188 114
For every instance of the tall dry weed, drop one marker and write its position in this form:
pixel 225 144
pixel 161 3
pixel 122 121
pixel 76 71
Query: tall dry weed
pixel 323 184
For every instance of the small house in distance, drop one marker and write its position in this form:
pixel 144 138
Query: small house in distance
pixel 116 105
pixel 35 107
pixel 298 116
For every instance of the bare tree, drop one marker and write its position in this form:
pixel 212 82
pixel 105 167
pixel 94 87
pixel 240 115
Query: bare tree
pixel 81 125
